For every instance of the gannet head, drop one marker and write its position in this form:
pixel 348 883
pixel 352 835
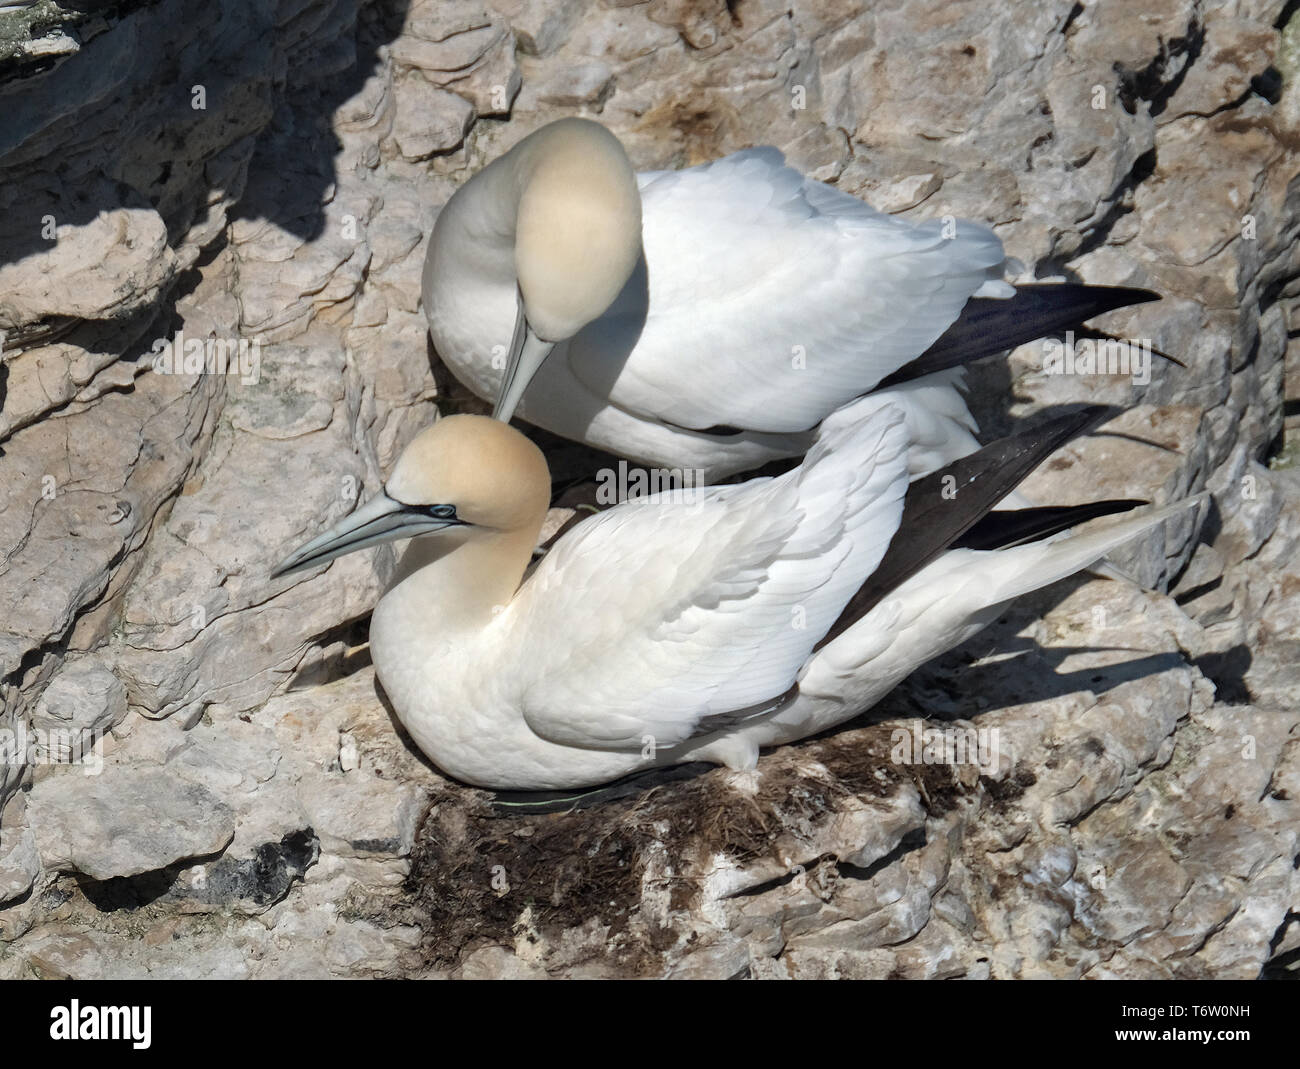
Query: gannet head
pixel 577 240
pixel 466 473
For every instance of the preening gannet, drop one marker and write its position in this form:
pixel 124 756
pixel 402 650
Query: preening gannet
pixel 711 318
pixel 695 625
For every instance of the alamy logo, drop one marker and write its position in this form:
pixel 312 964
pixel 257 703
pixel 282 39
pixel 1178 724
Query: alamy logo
pixel 52 746
pixel 180 355
pixel 917 744
pixel 76 1021
pixel 667 486
pixel 1104 356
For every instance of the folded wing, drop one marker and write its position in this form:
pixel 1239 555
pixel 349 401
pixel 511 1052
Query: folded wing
pixel 802 297
pixel 678 612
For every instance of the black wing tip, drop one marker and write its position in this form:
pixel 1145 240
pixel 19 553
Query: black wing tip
pixel 989 325
pixel 982 479
pixel 1071 423
pixel 1106 298
pixel 1075 303
pixel 1007 528
pixel 1043 439
pixel 1138 295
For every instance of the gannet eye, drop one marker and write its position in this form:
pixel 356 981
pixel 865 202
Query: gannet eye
pixel 442 512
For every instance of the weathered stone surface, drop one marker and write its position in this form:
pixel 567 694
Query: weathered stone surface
pixel 431 120
pixel 82 702
pixel 1140 818
pixel 125 822
pixel 20 861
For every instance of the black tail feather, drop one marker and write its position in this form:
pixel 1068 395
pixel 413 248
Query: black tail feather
pixel 988 325
pixel 1015 527
pixel 941 507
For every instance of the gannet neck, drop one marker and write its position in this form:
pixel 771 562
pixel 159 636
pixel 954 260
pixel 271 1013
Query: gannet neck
pixel 458 584
pixel 558 216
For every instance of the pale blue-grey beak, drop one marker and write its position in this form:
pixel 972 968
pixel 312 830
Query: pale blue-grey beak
pixel 527 354
pixel 381 519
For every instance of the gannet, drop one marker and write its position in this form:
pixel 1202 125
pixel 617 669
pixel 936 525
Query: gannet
pixel 694 625
pixel 710 318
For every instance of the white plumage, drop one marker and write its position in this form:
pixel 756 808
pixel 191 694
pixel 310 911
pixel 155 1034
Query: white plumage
pixel 773 299
pixel 759 301
pixel 663 631
pixel 714 319
pixel 701 606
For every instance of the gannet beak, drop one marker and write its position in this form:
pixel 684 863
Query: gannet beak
pixel 527 352
pixel 381 519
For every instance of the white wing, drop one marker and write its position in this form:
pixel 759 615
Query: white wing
pixel 676 611
pixel 952 598
pixel 766 300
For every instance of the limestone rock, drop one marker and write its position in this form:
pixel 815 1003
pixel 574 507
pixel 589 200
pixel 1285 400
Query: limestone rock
pixel 431 120
pixel 82 702
pixel 125 822
pixel 259 814
pixel 20 861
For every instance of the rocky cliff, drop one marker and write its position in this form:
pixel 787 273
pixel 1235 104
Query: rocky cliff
pixel 262 177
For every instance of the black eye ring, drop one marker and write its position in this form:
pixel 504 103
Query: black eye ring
pixel 442 512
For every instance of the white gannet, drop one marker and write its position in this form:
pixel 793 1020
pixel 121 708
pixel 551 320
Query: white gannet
pixel 711 318
pixel 696 625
